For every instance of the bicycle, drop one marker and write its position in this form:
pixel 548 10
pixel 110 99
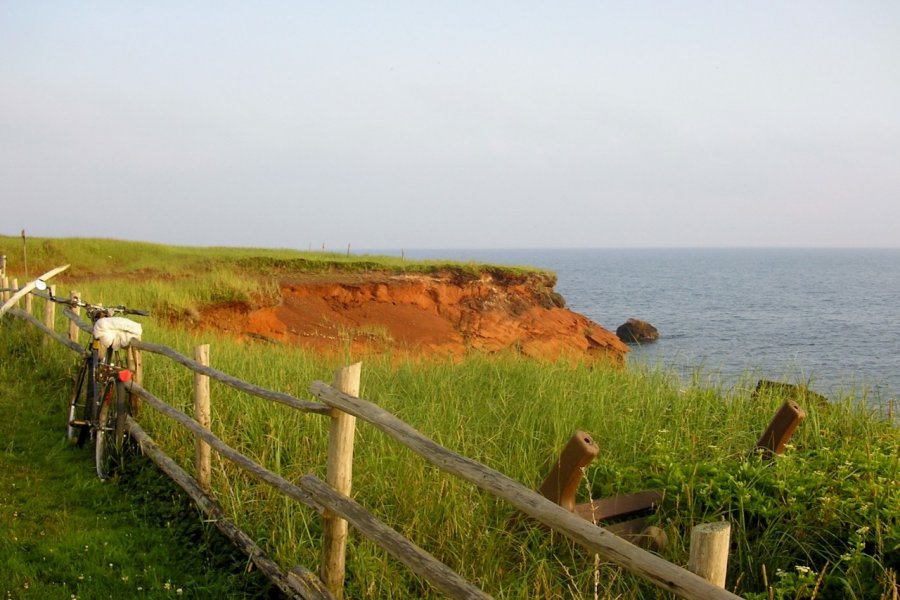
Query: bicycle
pixel 100 395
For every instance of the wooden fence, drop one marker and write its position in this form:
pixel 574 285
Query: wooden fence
pixel 331 499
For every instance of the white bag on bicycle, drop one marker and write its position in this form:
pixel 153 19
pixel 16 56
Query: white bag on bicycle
pixel 116 332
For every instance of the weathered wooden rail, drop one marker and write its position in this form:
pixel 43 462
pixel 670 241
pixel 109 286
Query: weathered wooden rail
pixel 332 500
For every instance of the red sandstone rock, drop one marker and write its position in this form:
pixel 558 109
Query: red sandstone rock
pixel 444 316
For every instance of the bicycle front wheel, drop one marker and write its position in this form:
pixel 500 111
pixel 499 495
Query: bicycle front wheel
pixel 78 402
pixel 109 440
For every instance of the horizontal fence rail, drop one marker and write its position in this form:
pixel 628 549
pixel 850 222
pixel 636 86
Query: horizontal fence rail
pixel 249 388
pixel 75 347
pixel 305 586
pixel 314 493
pixel 654 569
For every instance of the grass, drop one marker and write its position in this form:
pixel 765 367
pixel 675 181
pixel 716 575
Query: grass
pixel 67 535
pixel 178 280
pixel 92 257
pixel 820 521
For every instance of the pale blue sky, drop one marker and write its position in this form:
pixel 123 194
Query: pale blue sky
pixel 452 124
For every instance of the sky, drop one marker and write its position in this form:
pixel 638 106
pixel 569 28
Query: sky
pixel 453 124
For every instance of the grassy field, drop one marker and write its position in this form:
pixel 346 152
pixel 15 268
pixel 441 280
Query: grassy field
pixel 65 534
pixel 820 521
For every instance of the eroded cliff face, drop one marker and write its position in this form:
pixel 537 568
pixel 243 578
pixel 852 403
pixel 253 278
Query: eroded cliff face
pixel 443 315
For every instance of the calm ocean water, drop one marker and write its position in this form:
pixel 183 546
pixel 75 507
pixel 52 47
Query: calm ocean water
pixel 829 318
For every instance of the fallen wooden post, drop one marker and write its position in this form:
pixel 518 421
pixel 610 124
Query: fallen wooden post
pixel 595 539
pixel 781 428
pixel 561 485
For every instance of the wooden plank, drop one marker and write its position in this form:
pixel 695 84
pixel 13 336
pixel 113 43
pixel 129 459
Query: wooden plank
pixel 781 428
pixel 306 588
pixel 32 320
pixel 618 506
pixel 229 380
pixel 50 314
pixel 317 495
pixel 28 287
pixel 202 461
pixel 136 366
pixel 261 473
pixel 74 296
pixel 76 318
pixel 417 560
pixel 339 475
pixel 650 567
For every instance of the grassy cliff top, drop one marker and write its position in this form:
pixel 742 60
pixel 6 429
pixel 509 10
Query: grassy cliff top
pixel 91 257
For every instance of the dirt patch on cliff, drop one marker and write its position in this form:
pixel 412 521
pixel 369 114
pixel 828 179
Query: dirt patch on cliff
pixel 440 315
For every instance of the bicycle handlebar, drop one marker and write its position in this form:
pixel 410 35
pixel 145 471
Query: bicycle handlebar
pixel 97 311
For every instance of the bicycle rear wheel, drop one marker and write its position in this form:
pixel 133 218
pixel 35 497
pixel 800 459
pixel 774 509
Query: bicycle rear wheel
pixel 109 440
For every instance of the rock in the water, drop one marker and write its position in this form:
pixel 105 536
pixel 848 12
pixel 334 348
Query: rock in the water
pixel 635 331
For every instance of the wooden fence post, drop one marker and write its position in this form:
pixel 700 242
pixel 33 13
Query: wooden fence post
pixel 3 265
pixel 202 416
pixel 562 482
pixel 709 551
pixel 136 366
pixel 4 283
pixel 73 328
pixel 49 315
pixel 781 428
pixel 15 285
pixel 29 299
pixel 339 476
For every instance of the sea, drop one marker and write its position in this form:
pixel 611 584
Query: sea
pixel 825 318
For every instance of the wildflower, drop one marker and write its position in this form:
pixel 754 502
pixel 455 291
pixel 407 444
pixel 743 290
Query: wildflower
pixel 803 569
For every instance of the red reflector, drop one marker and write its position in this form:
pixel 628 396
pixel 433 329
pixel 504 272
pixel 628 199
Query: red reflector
pixel 125 376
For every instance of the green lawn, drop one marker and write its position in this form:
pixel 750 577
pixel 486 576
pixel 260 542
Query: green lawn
pixel 64 534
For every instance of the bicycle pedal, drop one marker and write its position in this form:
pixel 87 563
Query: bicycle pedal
pixel 78 423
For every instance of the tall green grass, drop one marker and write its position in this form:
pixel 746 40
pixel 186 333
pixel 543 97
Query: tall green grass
pixel 820 520
pixel 825 510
